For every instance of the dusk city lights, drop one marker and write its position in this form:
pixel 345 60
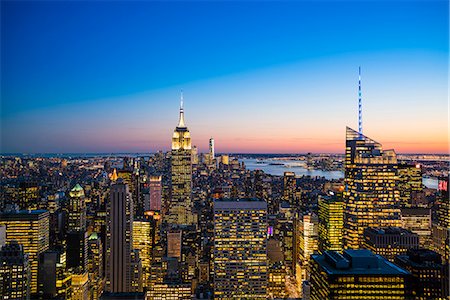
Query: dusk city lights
pixel 249 149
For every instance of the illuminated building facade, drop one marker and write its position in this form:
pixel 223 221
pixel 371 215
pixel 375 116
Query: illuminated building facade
pixel 76 210
pixel 389 241
pixel 240 246
pixel 308 229
pixel 30 228
pixel 409 181
pixel 427 271
pixel 155 190
pixel 276 277
pixel 80 286
pixel 14 272
pixel 357 274
pixel 180 210
pixel 441 224
pixel 119 240
pixel 289 188
pixel 418 220
pixel 54 279
pixel 371 196
pixel 170 291
pixel 143 241
pixel 95 265
pixel 331 222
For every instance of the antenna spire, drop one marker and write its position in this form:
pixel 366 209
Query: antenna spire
pixel 181 120
pixel 360 130
pixel 181 100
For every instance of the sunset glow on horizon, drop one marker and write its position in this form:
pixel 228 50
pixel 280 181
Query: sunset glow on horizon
pixel 275 80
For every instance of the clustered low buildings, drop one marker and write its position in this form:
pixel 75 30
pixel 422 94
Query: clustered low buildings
pixel 180 225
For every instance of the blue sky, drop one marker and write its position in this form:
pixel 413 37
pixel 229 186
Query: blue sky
pixel 258 76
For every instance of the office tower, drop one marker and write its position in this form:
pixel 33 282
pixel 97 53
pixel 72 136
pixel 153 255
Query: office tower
pixel 143 241
pixel 194 156
pixel 174 241
pixel 289 188
pixel 170 291
pixel 427 271
pixel 356 274
pixel 14 272
pixel 308 242
pixel 80 286
pixel 119 240
pixel 409 182
pixel 27 195
pixel 240 245
pixel 224 159
pixel 389 241
pixel 76 249
pixel 180 210
pixel 371 196
pixel 418 220
pixel 95 265
pixel 441 226
pixel 76 210
pixel 53 278
pixel 131 178
pixel 155 190
pixel 276 285
pixel 212 154
pixel 30 228
pixel 331 222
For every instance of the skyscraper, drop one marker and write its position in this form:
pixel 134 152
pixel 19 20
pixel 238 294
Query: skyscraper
pixel 357 274
pixel 180 210
pixel 409 181
pixel 76 210
pixel 212 154
pixel 119 240
pixel 240 247
pixel 14 272
pixel 371 196
pixel 289 188
pixel 30 228
pixel 331 222
pixel 155 190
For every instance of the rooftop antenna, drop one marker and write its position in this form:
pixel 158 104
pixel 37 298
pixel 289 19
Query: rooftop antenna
pixel 359 104
pixel 181 100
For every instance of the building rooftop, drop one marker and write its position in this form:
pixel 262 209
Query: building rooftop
pixel 240 203
pixel 356 262
pixel 23 214
pixel 388 231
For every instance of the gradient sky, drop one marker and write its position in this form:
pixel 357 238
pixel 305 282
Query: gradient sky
pixel 261 77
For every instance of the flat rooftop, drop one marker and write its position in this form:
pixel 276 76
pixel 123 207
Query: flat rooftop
pixel 356 262
pixel 240 203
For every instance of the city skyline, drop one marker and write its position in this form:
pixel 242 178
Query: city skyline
pixel 253 95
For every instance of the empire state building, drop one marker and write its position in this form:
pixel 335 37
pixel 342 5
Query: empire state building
pixel 180 209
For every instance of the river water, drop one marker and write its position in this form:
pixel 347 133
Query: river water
pixel 298 167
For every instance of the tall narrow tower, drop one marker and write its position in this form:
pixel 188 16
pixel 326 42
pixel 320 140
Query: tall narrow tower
pixel 211 149
pixel 360 130
pixel 180 209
